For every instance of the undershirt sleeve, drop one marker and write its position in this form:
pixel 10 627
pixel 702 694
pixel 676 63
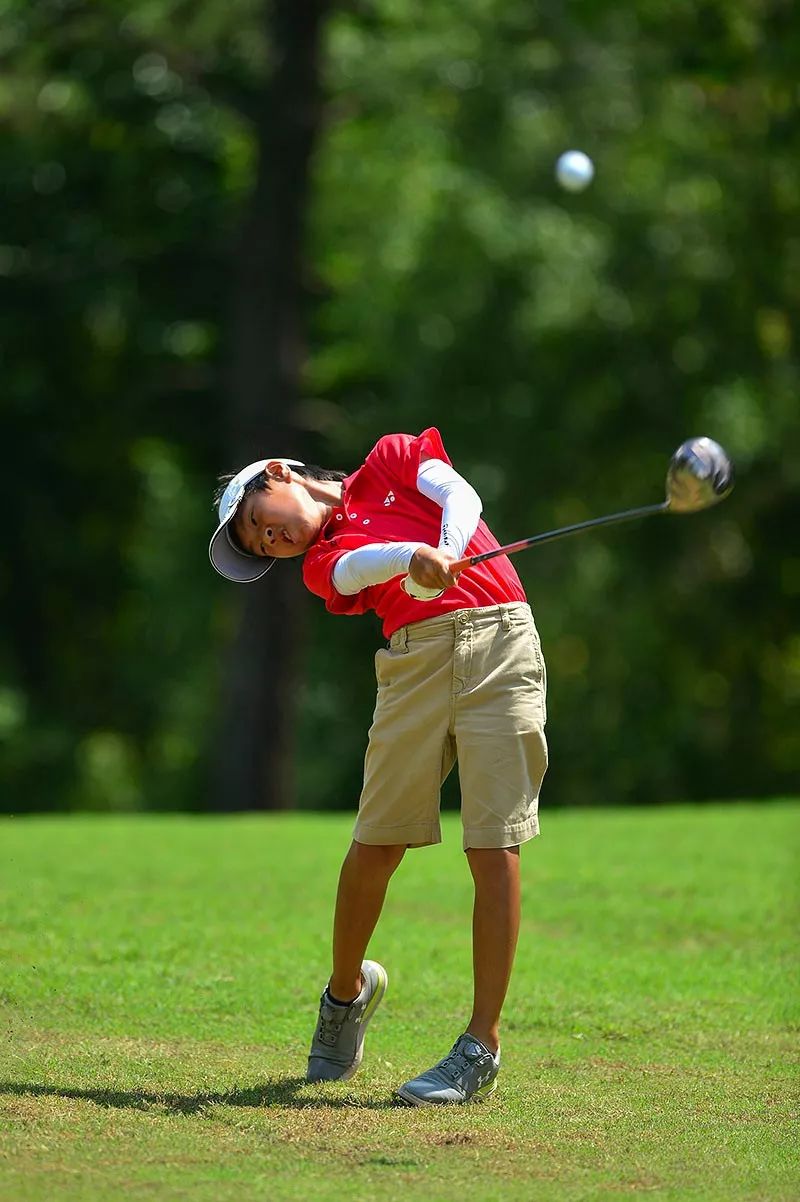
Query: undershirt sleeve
pixel 461 506
pixel 374 564
pixel 378 562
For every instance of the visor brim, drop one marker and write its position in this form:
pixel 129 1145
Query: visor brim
pixel 232 563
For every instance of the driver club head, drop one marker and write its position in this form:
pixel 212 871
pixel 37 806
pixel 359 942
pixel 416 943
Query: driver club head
pixel 700 474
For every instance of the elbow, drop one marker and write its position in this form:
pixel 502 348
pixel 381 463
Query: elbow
pixel 475 500
pixel 347 590
pixel 339 578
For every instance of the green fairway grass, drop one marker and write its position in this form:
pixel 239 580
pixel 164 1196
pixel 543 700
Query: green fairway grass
pixel 161 977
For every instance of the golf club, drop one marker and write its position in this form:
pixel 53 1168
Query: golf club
pixel 700 474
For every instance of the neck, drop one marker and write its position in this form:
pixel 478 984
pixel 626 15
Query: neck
pixel 327 493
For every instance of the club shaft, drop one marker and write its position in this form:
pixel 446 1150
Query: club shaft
pixel 549 536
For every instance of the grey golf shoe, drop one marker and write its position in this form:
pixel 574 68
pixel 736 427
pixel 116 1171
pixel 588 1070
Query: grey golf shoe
pixel 468 1073
pixel 338 1043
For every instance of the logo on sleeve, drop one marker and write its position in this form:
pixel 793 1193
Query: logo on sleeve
pixel 390 498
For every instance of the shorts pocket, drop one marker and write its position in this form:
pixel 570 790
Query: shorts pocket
pixel 532 667
pixel 539 658
pixel 386 659
pixel 380 666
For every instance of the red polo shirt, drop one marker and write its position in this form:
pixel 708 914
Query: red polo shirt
pixel 381 504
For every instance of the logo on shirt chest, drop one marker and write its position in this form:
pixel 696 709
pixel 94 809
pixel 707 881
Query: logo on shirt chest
pixel 390 498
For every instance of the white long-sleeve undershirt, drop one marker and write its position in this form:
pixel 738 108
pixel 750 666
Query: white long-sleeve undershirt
pixel 378 562
pixel 461 505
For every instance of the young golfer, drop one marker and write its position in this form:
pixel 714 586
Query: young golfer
pixel 462 677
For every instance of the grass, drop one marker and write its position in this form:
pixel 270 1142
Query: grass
pixel 160 983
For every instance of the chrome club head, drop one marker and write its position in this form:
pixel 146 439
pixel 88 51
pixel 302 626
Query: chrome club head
pixel 700 474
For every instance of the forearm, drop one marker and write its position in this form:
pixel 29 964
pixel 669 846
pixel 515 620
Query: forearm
pixel 373 564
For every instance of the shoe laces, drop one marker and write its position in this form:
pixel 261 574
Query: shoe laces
pixel 329 1030
pixel 331 1021
pixel 457 1061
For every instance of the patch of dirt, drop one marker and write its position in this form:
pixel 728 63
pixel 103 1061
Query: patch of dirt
pixel 637 1185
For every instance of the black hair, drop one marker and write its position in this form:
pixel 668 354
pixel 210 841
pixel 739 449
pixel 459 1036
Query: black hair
pixel 260 483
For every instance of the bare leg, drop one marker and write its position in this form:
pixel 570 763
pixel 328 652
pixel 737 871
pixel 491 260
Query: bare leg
pixel 359 901
pixel 495 927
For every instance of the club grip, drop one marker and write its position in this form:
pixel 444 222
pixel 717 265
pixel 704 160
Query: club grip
pixel 460 564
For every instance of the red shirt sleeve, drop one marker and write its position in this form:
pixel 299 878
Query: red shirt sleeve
pixel 318 563
pixel 400 454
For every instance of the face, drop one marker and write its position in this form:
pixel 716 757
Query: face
pixel 279 522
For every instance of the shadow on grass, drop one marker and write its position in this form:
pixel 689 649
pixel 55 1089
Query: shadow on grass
pixel 281 1091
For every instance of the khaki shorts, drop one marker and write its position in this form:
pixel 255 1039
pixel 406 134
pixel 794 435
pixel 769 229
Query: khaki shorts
pixel 468 685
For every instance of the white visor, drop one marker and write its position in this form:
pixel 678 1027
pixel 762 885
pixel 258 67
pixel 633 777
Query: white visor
pixel 226 557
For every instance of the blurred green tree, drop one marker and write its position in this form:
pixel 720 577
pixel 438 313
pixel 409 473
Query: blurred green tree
pixel 156 293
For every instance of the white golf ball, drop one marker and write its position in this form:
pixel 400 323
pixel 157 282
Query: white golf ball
pixel 574 170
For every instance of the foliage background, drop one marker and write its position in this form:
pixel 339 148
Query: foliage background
pixel 563 344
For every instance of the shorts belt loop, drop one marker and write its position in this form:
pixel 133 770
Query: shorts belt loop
pixel 506 618
pixel 402 638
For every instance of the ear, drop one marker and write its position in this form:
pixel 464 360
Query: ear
pixel 279 471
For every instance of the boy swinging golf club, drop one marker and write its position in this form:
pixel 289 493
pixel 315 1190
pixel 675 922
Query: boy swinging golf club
pixel 462 677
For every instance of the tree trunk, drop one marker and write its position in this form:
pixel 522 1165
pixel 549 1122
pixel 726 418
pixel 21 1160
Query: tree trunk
pixel 255 751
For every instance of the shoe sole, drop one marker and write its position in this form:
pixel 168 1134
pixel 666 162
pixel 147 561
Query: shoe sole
pixel 371 1007
pixel 480 1095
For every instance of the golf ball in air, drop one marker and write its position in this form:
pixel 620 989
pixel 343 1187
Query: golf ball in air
pixel 574 170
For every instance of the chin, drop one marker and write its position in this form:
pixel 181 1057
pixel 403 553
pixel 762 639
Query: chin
pixel 293 552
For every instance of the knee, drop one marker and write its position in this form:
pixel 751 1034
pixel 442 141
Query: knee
pixel 492 861
pixel 379 857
